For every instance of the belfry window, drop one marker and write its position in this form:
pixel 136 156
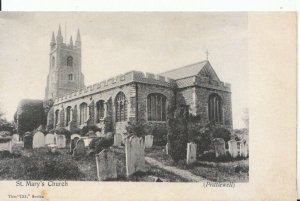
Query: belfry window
pixel 156 107
pixel 70 77
pixel 83 113
pixel 121 107
pixel 100 110
pixel 53 62
pixel 70 61
pixel 215 108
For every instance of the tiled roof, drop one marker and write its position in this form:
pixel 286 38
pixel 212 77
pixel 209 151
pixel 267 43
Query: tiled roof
pixel 186 71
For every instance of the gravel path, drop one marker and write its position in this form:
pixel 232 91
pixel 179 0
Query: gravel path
pixel 182 173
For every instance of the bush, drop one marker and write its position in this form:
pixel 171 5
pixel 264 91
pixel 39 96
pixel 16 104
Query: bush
pixel 140 128
pixel 86 129
pixel 222 133
pixel 177 134
pixel 159 135
pixel 98 144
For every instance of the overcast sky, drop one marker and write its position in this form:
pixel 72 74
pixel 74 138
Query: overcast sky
pixel 114 43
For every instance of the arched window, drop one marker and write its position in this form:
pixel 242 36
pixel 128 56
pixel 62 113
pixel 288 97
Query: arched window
pixel 156 107
pixel 83 113
pixel 70 61
pixel 215 108
pixel 100 110
pixel 121 107
pixel 53 62
pixel 68 116
pixel 56 117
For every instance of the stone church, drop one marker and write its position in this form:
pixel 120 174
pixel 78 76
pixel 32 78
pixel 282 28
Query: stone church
pixel 133 95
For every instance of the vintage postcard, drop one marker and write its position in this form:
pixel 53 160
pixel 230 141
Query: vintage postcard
pixel 147 106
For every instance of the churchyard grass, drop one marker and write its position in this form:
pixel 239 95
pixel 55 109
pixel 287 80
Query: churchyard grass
pixel 40 164
pixel 233 171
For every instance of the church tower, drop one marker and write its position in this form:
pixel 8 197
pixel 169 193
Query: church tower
pixel 65 74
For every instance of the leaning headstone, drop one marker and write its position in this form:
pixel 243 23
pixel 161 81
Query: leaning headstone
pixel 61 141
pixel 16 137
pixel 73 144
pixel 219 145
pixel 117 139
pixel 191 153
pixel 106 165
pixel 6 144
pixel 28 140
pixel 38 140
pixel 135 157
pixel 79 149
pixel 232 148
pixel 49 139
pixel 148 141
pixel 86 140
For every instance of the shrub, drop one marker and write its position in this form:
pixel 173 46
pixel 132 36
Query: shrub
pixel 140 128
pixel 177 134
pixel 222 133
pixel 86 129
pixel 98 144
pixel 159 135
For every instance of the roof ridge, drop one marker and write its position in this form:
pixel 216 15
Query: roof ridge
pixel 174 69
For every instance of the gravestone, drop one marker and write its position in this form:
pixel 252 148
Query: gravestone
pixel 219 145
pixel 106 165
pixel 148 141
pixel 60 141
pixel 243 149
pixel 52 148
pixel 79 149
pixel 73 144
pixel 191 153
pixel 6 144
pixel 49 139
pixel 167 148
pixel 38 140
pixel 86 140
pixel 16 137
pixel 17 147
pixel 135 157
pixel 28 140
pixel 74 136
pixel 98 134
pixel 117 139
pixel 232 148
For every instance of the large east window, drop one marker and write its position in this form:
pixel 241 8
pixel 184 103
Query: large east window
pixel 156 107
pixel 215 108
pixel 121 107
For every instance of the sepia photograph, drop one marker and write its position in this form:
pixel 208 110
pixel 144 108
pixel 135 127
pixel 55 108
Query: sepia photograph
pixel 140 97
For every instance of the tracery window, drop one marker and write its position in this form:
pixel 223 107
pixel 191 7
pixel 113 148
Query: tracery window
pixel 83 113
pixel 68 116
pixel 70 61
pixel 121 107
pixel 156 107
pixel 215 108
pixel 100 110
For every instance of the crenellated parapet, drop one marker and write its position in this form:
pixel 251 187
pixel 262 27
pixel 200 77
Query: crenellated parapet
pixel 209 83
pixel 123 79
